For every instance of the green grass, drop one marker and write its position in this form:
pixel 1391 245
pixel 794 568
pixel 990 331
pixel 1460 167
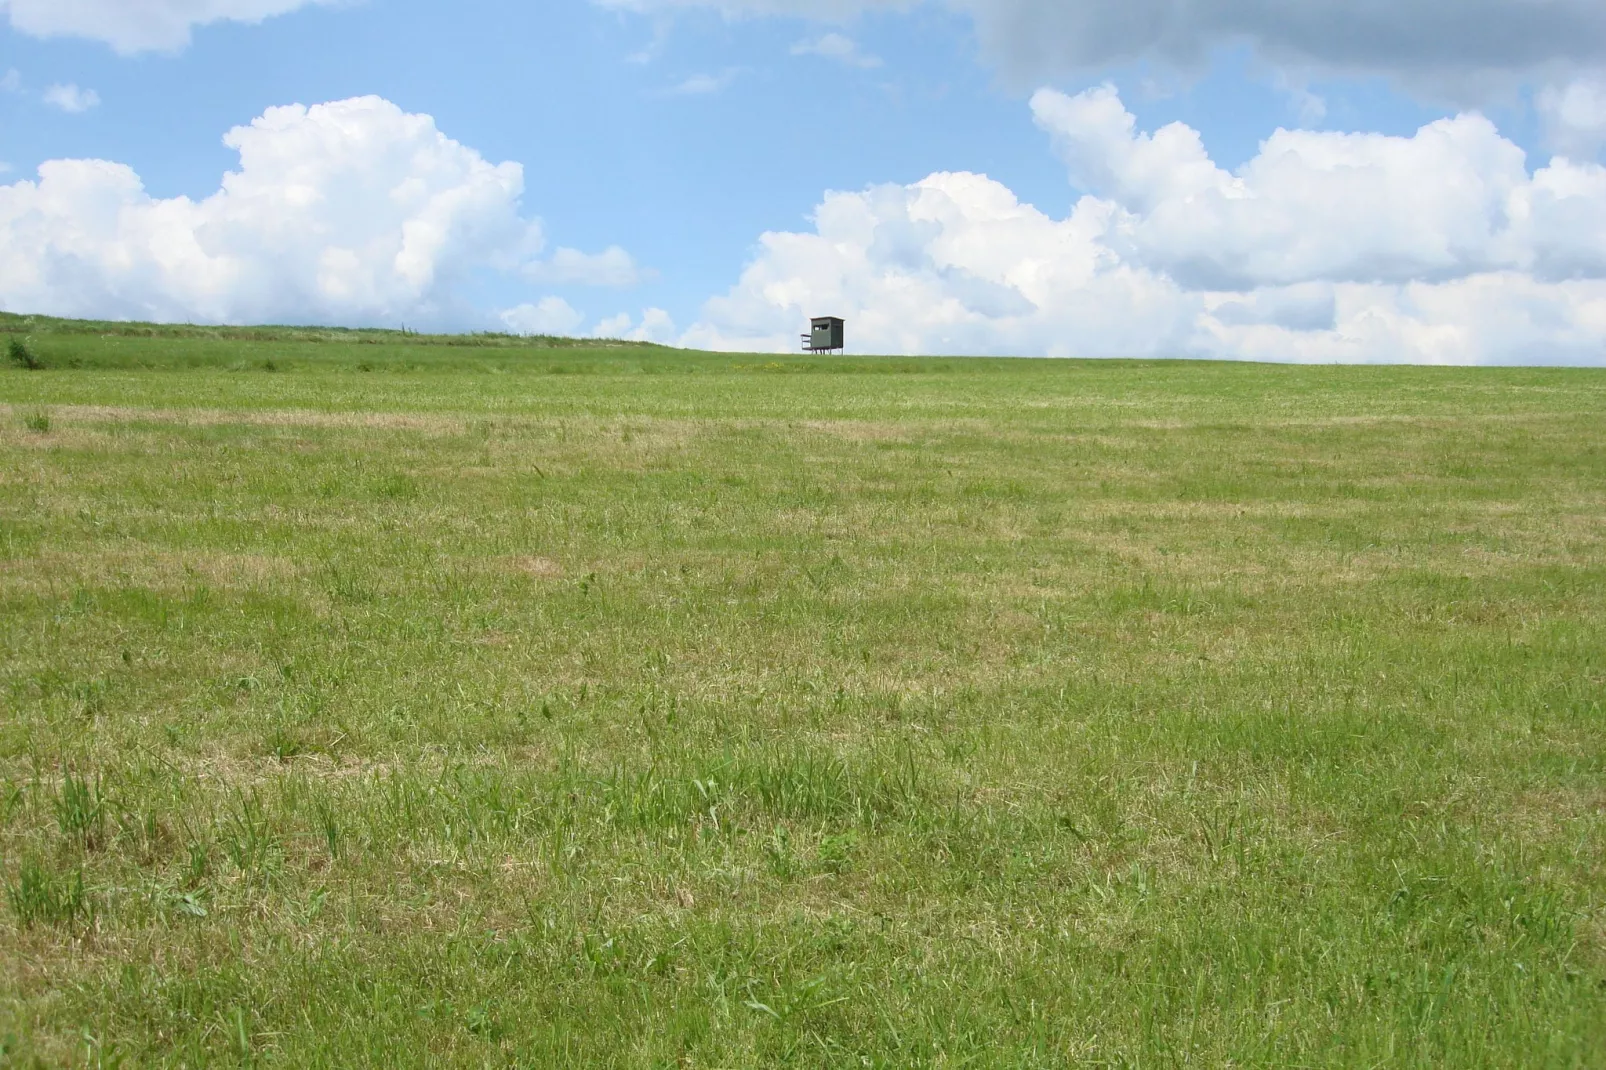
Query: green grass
pixel 493 701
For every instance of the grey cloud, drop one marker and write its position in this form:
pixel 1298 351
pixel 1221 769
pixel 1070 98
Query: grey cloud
pixel 1448 41
pixel 1461 49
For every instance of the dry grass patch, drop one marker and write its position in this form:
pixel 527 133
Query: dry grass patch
pixel 136 417
pixel 51 571
pixel 535 567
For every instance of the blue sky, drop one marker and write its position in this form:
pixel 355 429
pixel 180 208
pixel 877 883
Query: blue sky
pixel 679 133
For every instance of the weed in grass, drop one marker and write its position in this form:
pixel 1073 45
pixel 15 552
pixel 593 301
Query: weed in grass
pixel 22 355
pixel 836 851
pixel 479 1021
pixel 38 422
pixel 190 905
pixel 283 743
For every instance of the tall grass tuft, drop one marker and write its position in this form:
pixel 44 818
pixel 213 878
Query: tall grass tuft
pixel 39 896
pixel 81 810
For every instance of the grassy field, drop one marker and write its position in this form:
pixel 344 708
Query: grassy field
pixel 369 699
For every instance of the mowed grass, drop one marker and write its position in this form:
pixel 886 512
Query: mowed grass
pixel 414 703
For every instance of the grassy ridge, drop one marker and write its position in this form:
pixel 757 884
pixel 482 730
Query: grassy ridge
pixel 66 330
pixel 604 706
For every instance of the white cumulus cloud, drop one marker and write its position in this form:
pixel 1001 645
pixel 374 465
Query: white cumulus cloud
pixel 1453 200
pixel 71 99
pixel 655 326
pixel 132 26
pixel 1325 246
pixel 353 211
pixel 550 315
